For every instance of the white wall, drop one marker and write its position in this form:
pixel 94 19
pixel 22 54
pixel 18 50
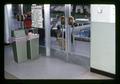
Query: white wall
pixel 103 38
pixel 103 13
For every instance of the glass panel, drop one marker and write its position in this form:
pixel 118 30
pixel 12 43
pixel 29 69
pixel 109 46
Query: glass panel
pixel 17 16
pixel 57 30
pixel 80 37
pixel 80 34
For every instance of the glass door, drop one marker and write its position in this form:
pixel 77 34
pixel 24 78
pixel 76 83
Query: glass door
pixel 57 18
pixel 79 34
pixel 70 33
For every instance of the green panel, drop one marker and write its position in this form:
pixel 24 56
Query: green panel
pixel 12 33
pixel 19 33
pixel 33 48
pixel 14 51
pixel 42 50
pixel 21 49
pixel 28 50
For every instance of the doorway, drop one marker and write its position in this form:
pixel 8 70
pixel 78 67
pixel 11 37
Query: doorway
pixel 73 43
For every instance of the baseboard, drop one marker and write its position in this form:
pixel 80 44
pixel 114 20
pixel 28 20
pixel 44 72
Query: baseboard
pixel 102 72
pixel 7 44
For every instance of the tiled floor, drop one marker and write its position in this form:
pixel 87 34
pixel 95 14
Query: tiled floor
pixel 45 68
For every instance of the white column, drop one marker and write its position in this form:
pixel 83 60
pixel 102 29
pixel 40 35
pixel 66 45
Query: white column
pixel 47 28
pixel 7 22
pixel 21 9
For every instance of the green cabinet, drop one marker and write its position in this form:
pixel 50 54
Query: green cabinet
pixel 19 46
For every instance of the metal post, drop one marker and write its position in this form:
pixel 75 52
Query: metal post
pixel 47 28
pixel 21 9
pixel 67 27
pixel 73 39
pixel 63 36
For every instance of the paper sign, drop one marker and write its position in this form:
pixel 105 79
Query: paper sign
pixel 37 18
